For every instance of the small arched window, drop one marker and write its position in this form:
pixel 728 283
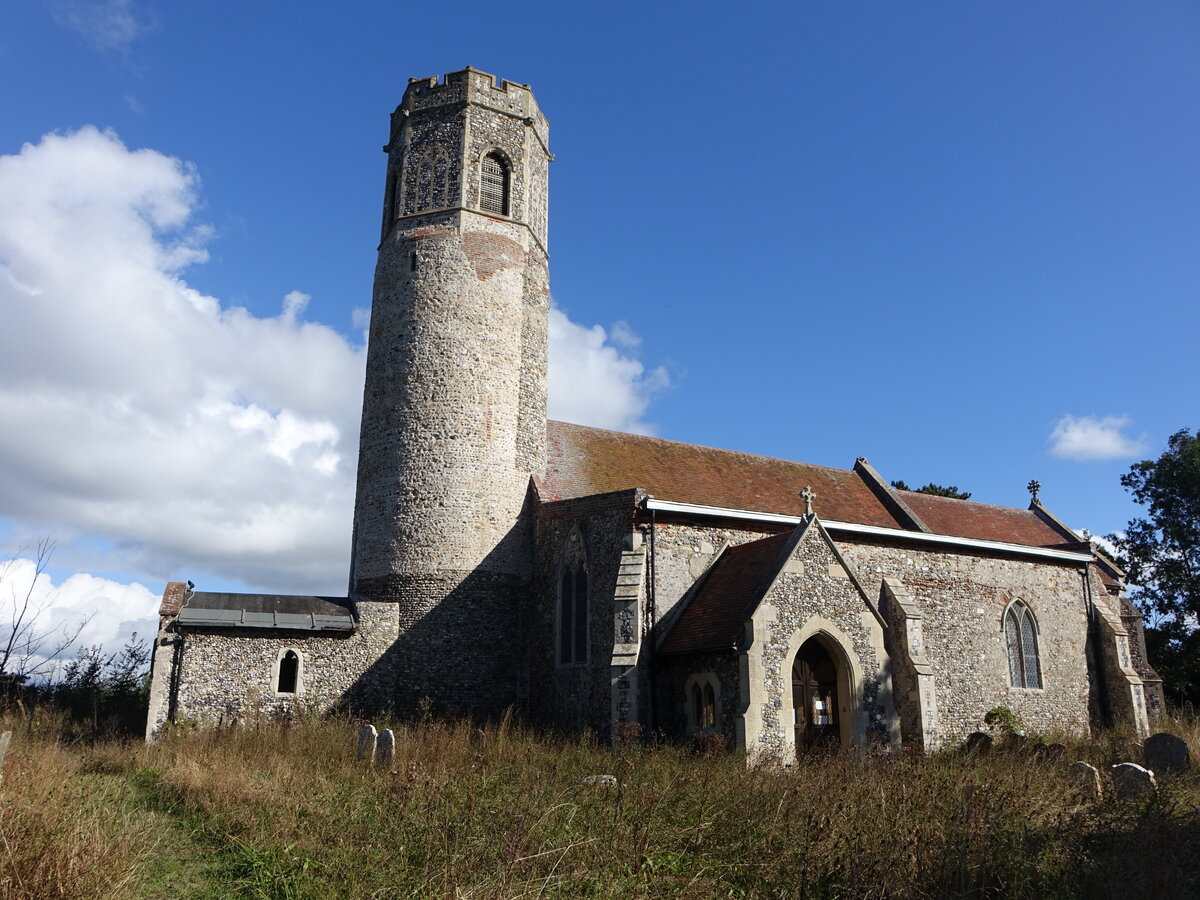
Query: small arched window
pixel 702 701
pixel 1020 638
pixel 573 605
pixel 289 673
pixel 493 184
pixel 708 717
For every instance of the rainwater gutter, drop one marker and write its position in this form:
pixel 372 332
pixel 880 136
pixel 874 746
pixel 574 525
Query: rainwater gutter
pixel 918 537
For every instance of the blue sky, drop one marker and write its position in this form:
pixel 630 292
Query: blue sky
pixel 958 239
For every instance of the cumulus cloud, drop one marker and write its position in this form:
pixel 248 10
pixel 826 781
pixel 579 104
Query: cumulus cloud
pixel 182 434
pixel 593 383
pixel 1088 438
pixel 94 610
pixel 109 25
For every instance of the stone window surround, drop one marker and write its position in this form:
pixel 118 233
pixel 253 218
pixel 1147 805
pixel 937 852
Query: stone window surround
pixel 572 558
pixel 702 680
pixel 509 173
pixel 284 651
pixel 850 679
pixel 1037 647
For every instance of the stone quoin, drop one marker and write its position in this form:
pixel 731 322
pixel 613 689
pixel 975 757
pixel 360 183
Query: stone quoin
pixel 620 583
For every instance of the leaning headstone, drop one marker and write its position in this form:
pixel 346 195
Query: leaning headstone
pixel 386 748
pixel 1087 778
pixel 5 739
pixel 1166 754
pixel 366 743
pixel 978 742
pixel 1132 781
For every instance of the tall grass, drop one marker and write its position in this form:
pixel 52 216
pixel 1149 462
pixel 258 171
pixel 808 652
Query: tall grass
pixel 286 811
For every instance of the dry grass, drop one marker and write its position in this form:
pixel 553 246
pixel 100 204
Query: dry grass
pixel 66 832
pixel 267 811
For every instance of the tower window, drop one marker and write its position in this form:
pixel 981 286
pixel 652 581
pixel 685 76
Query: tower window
pixel 493 185
pixel 1020 638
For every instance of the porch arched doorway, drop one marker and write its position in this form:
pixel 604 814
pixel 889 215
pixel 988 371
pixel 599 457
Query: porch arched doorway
pixel 815 696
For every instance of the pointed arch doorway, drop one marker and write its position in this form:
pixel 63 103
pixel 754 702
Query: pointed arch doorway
pixel 815 696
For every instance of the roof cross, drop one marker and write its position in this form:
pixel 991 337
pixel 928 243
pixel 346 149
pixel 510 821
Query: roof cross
pixel 808 496
pixel 1033 487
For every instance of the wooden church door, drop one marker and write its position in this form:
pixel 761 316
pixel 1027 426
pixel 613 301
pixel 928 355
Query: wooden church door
pixel 815 696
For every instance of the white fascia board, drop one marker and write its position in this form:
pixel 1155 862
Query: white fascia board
pixel 920 537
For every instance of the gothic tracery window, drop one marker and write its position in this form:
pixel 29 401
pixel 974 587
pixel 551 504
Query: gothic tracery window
pixel 573 605
pixel 493 184
pixel 1020 637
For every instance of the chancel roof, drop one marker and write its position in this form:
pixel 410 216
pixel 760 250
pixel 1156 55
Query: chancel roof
pixel 583 461
pixel 982 521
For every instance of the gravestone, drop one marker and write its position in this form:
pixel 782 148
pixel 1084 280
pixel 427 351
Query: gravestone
pixel 1166 754
pixel 978 742
pixel 1132 781
pixel 386 751
pixel 5 739
pixel 606 780
pixel 366 743
pixel 1087 778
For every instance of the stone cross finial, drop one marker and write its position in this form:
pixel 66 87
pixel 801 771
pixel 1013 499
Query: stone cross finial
pixel 1033 487
pixel 808 496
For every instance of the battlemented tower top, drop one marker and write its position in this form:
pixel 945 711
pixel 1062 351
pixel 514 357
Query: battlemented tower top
pixel 472 86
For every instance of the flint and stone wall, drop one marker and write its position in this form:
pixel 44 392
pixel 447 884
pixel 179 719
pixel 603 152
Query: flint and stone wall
pixel 576 696
pixel 815 596
pixel 228 674
pixel 963 598
pixel 454 406
pixel 672 702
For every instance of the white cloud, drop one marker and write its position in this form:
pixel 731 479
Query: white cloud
pixel 183 435
pixel 108 610
pixel 1087 438
pixel 592 382
pixel 138 409
pixel 111 25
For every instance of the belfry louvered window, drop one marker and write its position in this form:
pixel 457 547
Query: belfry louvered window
pixel 493 185
pixel 1020 637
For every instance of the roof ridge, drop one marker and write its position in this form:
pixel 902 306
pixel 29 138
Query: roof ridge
pixel 1019 509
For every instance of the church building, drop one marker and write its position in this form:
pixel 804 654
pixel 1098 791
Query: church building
pixel 620 583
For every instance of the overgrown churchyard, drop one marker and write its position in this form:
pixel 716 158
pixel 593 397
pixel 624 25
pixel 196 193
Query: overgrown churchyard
pixel 498 811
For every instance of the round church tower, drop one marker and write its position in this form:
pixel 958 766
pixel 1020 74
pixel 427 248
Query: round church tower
pixel 454 408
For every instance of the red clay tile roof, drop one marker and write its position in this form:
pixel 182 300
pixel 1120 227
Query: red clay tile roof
pixel 585 461
pixel 712 620
pixel 982 521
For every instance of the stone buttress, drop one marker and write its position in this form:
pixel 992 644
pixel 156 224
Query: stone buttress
pixel 454 408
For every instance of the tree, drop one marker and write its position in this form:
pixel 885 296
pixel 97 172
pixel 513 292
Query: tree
pixel 106 693
pixel 1161 557
pixel 28 647
pixel 936 489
